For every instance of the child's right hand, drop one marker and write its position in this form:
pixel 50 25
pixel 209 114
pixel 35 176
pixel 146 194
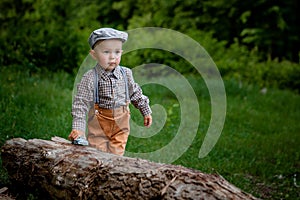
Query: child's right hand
pixel 75 134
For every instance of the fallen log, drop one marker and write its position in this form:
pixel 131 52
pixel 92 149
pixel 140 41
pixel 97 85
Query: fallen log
pixel 65 171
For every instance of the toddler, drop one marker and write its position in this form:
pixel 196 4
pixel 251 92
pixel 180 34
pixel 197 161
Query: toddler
pixel 104 93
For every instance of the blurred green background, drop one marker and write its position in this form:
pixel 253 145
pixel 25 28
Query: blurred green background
pixel 255 45
pixel 255 41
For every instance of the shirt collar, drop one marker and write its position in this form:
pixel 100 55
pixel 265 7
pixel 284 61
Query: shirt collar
pixel 116 73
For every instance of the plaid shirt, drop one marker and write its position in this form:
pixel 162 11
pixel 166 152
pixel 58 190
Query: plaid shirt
pixel 111 94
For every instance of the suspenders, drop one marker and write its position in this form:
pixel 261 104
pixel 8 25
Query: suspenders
pixel 96 89
pixel 126 85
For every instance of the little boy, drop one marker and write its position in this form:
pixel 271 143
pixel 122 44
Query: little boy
pixel 104 93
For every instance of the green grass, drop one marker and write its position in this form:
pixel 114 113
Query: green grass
pixel 34 105
pixel 258 150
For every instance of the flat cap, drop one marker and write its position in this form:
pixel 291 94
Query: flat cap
pixel 106 34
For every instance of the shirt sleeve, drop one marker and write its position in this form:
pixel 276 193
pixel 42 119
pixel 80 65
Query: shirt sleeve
pixel 82 101
pixel 137 98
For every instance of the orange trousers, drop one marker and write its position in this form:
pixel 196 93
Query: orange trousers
pixel 108 130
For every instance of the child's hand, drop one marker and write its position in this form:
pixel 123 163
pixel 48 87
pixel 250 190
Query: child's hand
pixel 147 120
pixel 75 134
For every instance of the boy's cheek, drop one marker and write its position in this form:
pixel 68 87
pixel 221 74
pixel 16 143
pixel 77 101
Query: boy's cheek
pixel 118 61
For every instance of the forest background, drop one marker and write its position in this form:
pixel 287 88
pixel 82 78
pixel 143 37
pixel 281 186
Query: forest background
pixel 254 41
pixel 255 45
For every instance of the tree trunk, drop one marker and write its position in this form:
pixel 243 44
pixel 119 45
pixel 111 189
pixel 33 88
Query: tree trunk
pixel 66 171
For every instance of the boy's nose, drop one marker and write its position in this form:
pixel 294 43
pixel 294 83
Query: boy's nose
pixel 112 56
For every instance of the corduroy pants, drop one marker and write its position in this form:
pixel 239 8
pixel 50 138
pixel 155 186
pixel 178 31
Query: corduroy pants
pixel 108 130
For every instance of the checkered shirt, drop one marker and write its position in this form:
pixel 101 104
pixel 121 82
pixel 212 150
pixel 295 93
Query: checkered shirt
pixel 111 94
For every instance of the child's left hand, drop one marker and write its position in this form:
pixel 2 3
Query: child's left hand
pixel 147 120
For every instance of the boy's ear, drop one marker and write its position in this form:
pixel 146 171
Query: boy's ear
pixel 93 54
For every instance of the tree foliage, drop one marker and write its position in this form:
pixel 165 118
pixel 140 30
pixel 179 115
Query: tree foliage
pixel 46 33
pixel 53 34
pixel 272 26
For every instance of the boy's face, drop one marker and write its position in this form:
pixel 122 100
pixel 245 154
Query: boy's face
pixel 108 53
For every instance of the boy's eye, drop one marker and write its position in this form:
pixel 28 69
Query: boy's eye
pixel 105 51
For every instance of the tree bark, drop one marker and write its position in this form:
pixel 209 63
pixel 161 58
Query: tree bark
pixel 66 171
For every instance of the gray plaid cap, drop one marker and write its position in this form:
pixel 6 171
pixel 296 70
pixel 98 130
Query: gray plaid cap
pixel 106 34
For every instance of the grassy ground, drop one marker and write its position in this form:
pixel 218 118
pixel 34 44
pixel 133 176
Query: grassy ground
pixel 258 150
